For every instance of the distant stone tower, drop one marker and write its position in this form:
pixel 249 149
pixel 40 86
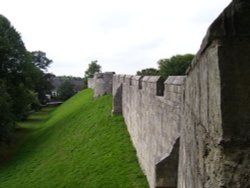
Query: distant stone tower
pixel 101 83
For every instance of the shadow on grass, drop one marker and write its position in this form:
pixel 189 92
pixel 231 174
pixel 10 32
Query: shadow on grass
pixel 26 147
pixel 35 120
pixel 22 132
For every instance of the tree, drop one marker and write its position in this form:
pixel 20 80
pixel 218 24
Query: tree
pixel 6 117
pixel 40 60
pixel 21 73
pixel 41 79
pixel 23 98
pixel 148 72
pixel 15 68
pixel 89 73
pixel 14 58
pixel 176 65
pixel 66 90
pixel 92 69
pixel 42 86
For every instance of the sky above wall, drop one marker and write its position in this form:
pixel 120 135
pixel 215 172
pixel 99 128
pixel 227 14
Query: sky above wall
pixel 123 35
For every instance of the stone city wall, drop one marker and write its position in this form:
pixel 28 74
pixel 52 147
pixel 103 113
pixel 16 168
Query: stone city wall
pixel 215 133
pixel 194 132
pixel 151 110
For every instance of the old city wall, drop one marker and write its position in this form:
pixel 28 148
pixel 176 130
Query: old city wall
pixel 151 110
pixel 215 125
pixel 194 132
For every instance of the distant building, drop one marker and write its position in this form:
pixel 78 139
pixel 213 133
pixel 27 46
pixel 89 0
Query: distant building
pixel 58 80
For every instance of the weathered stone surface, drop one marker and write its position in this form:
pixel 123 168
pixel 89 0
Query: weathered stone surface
pixel 101 83
pixel 153 123
pixel 91 83
pixel 167 168
pixel 117 95
pixel 215 145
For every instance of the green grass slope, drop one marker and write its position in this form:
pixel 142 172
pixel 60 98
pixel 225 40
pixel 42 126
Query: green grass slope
pixel 77 145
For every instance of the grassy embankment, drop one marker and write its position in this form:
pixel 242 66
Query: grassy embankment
pixel 79 144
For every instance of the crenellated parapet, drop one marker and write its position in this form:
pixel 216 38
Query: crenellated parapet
pixel 152 85
pixel 151 109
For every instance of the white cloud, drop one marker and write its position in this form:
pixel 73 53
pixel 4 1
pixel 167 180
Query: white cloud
pixel 124 35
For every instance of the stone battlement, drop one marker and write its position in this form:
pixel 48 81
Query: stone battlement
pixel 101 83
pixel 151 110
pixel 152 85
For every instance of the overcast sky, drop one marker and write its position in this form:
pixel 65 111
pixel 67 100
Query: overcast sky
pixel 123 35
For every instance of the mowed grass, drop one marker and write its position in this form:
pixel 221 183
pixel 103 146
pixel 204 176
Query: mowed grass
pixel 77 145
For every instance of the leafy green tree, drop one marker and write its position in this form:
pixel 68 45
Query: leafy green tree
pixel 176 65
pixel 44 87
pixel 66 90
pixel 40 60
pixel 89 73
pixel 41 79
pixel 148 72
pixel 6 116
pixel 23 99
pixel 92 69
pixel 15 68
pixel 14 58
pixel 22 76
